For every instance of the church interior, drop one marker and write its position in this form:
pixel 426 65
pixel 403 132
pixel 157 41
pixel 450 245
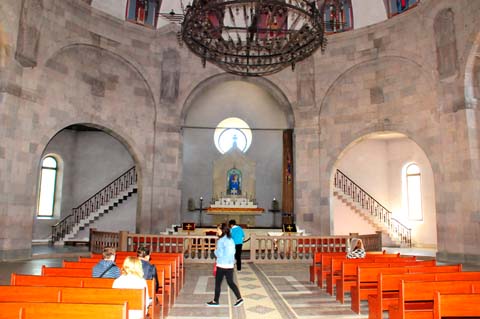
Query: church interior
pixel 153 118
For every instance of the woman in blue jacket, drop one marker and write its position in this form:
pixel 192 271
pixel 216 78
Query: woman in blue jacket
pixel 225 253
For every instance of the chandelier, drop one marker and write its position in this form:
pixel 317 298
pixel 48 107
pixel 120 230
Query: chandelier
pixel 253 37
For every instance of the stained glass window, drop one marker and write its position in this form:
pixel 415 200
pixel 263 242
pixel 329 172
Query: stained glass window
pixel 143 12
pixel 338 16
pixel 398 6
pixel 232 132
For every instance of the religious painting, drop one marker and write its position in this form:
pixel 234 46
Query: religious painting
pixel 446 43
pixel 272 22
pixel 234 182
pixel 143 12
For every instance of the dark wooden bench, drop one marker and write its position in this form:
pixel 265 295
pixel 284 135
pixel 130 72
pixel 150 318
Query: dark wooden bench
pixel 456 305
pixel 388 288
pixel 55 310
pixel 416 297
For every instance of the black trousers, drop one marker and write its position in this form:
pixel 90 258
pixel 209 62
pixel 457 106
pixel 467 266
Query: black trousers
pixel 238 256
pixel 228 274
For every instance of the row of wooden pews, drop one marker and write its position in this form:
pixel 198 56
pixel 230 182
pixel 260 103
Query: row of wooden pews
pixel 403 286
pixel 71 291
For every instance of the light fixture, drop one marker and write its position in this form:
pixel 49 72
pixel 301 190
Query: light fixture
pixel 253 37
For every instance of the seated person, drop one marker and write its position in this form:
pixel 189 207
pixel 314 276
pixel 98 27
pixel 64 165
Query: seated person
pixel 132 278
pixel 106 267
pixel 149 270
pixel 356 249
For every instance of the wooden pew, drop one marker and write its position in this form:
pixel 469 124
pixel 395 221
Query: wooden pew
pixel 176 277
pixel 153 255
pixel 388 288
pixel 349 273
pixel 416 297
pixel 157 307
pixel 367 279
pixel 326 263
pixel 135 298
pixel 66 272
pixel 336 267
pixel 317 262
pixel 54 310
pixel 456 305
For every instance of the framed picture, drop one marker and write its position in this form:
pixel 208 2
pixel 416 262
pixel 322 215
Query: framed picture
pixel 289 228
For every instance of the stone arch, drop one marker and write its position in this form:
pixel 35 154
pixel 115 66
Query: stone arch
pixel 82 83
pixel 374 96
pixel 263 107
pixel 374 161
pixel 108 155
pixel 265 84
pixel 472 75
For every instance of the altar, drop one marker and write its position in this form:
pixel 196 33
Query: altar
pixel 245 216
pixel 234 190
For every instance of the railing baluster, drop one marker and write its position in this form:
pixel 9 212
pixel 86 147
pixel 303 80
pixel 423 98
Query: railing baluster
pixel 94 203
pixel 376 210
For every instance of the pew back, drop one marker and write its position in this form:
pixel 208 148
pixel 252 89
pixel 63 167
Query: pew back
pixel 456 305
pixel 47 310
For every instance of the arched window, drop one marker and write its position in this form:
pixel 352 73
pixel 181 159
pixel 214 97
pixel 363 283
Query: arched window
pixel 398 6
pixel 48 181
pixel 232 132
pixel 413 192
pixel 144 12
pixel 338 15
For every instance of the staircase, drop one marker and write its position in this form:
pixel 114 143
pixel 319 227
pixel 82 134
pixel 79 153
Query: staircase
pixel 371 210
pixel 103 202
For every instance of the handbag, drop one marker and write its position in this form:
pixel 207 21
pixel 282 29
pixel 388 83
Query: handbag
pixel 214 268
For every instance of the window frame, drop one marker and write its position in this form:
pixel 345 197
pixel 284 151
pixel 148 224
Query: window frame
pixel 135 20
pixel 55 181
pixel 420 216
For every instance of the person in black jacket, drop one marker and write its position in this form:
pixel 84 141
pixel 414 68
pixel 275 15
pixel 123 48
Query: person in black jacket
pixel 149 270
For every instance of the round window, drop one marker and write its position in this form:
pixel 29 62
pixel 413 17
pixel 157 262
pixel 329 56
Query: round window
pixel 232 132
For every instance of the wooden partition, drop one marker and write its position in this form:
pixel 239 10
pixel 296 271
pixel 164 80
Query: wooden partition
pixel 263 248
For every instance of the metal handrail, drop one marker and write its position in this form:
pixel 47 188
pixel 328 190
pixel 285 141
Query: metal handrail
pixel 377 210
pixel 102 197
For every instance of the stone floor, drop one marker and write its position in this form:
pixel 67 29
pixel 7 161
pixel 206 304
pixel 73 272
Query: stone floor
pixel 270 290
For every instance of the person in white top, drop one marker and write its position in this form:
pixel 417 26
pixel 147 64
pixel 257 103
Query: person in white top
pixel 131 278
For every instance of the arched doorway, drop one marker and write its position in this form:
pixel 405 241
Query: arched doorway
pixel 266 112
pixel 395 171
pixel 89 159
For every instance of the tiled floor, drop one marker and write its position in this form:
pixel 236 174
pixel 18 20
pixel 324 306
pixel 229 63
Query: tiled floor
pixel 270 290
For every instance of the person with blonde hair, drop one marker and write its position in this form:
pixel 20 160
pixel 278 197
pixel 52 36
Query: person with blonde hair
pixel 357 250
pixel 132 278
